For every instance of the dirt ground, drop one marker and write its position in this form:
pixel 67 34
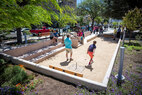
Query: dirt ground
pixel 52 86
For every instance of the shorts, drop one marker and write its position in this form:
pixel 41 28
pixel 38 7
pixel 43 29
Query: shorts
pixel 90 54
pixel 68 50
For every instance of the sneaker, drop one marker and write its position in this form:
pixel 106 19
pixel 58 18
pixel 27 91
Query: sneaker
pixel 67 59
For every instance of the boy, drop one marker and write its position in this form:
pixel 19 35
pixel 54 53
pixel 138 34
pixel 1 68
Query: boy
pixel 91 51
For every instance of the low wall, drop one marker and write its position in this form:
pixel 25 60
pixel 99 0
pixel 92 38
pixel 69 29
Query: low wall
pixel 55 73
pixel 22 50
pixel 87 33
pixel 74 42
pixel 43 52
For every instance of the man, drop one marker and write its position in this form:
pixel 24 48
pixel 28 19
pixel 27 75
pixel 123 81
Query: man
pixel 91 51
pixel 68 46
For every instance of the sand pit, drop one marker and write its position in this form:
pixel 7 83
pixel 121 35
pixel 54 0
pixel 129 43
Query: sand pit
pixel 103 55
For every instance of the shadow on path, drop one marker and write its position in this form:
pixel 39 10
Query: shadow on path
pixel 109 39
pixel 65 63
pixel 89 67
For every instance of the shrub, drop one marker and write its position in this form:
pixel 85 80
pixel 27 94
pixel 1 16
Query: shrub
pixel 13 75
pixel 2 61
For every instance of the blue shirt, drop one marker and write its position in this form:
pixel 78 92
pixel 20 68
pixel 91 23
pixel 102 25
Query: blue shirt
pixel 91 47
pixel 68 43
pixel 56 34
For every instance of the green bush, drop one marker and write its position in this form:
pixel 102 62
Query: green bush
pixel 13 75
pixel 133 46
pixel 2 61
pixel 137 48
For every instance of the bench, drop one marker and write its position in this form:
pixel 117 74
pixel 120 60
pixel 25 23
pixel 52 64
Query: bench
pixel 66 71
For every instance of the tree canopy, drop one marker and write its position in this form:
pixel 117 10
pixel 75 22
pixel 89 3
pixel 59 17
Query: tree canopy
pixel 117 8
pixel 133 19
pixel 67 16
pixel 90 7
pixel 23 13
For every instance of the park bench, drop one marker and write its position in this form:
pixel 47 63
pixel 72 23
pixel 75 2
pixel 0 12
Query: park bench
pixel 66 71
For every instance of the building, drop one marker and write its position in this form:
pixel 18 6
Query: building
pixel 71 3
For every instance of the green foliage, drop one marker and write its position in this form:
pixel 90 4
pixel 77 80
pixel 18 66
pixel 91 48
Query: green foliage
pixel 13 75
pixel 16 14
pixel 90 7
pixel 117 8
pixel 2 61
pixel 27 32
pixel 133 19
pixel 98 19
pixel 67 16
pixel 133 46
pixel 80 20
pixel 115 23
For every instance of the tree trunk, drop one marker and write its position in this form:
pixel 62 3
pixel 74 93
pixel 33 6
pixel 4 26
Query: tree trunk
pixel 19 35
pixel 59 32
pixel 92 24
pixel 130 34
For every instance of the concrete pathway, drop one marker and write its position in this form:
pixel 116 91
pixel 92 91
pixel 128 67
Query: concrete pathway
pixel 102 58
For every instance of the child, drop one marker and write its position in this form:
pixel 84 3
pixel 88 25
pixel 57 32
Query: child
pixel 90 51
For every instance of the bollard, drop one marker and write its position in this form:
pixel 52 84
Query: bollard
pixel 119 78
pixel 25 38
pixel 123 38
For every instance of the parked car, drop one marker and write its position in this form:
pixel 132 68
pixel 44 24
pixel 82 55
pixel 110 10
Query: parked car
pixel 37 32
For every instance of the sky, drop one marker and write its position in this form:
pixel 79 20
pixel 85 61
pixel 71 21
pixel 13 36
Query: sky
pixel 79 1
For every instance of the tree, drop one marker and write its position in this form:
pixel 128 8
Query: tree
pixel 92 8
pixel 98 19
pixel 117 8
pixel 66 17
pixel 115 24
pixel 133 20
pixel 15 14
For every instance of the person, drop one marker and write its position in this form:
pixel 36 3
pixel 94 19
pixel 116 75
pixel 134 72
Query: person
pixel 118 32
pixel 114 33
pixel 56 35
pixel 52 37
pixel 79 33
pixel 91 51
pixel 101 30
pixel 97 29
pixel 94 29
pixel 121 33
pixel 68 46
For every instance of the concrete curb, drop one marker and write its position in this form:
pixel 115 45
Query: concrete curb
pixel 54 73
pixel 107 75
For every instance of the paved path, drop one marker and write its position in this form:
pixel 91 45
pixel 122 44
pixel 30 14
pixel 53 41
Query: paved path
pixel 102 58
